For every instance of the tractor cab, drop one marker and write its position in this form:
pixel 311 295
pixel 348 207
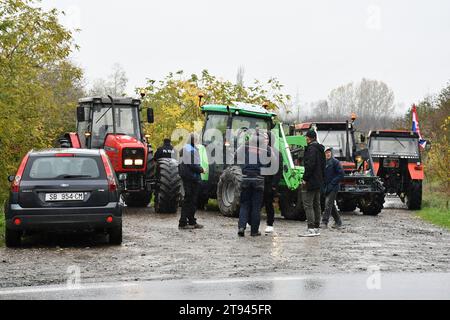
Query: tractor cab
pixel 99 117
pixel 361 187
pixel 397 160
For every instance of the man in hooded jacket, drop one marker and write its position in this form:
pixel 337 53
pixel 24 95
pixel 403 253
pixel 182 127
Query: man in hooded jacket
pixel 313 180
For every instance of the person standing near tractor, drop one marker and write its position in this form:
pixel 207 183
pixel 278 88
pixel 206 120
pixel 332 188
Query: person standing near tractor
pixel 313 179
pixel 165 151
pixel 190 171
pixel 249 158
pixel 334 173
pixel 270 185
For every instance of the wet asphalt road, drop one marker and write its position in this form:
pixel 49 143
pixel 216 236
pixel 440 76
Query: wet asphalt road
pixel 372 286
pixel 155 252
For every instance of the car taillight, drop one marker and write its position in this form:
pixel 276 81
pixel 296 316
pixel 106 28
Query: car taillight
pixel 64 155
pixel 112 185
pixel 15 185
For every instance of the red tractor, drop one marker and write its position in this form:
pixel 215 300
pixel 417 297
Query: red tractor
pixel 114 124
pixel 397 160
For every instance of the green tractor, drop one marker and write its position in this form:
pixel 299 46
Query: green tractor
pixel 226 128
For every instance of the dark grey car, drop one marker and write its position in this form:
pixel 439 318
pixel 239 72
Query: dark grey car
pixel 64 190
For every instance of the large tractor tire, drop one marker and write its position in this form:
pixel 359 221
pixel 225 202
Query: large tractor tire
pixel 229 191
pixel 138 199
pixel 291 205
pixel 414 196
pixel 371 205
pixel 346 205
pixel 168 186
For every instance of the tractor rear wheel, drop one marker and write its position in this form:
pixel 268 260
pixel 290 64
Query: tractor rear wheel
pixel 139 199
pixel 291 205
pixel 168 188
pixel 371 205
pixel 229 191
pixel 414 196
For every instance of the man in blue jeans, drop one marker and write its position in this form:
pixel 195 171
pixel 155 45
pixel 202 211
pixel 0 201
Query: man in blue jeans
pixel 334 173
pixel 252 189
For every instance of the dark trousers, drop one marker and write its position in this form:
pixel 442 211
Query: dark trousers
pixel 191 192
pixel 251 202
pixel 269 196
pixel 330 209
pixel 311 203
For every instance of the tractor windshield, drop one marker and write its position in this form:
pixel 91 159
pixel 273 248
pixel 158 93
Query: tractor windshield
pixel 394 146
pixel 127 122
pixel 337 139
pixel 241 125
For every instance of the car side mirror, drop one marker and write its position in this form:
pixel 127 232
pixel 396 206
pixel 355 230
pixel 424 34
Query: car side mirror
pixel 80 114
pixel 11 178
pixel 150 115
pixel 363 138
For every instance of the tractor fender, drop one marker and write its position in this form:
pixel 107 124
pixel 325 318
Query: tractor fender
pixel 415 171
pixel 74 140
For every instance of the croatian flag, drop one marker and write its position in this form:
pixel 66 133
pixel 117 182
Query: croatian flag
pixel 416 128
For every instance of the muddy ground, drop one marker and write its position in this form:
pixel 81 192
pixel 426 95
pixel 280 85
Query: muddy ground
pixel 154 248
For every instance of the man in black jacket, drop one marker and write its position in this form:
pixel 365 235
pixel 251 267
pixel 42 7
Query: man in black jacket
pixel 190 171
pixel 313 179
pixel 334 173
pixel 165 151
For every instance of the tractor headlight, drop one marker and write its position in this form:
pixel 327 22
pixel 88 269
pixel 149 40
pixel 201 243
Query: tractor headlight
pixel 128 162
pixel 138 162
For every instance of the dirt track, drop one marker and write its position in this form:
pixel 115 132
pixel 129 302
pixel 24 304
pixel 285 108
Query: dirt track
pixel 154 248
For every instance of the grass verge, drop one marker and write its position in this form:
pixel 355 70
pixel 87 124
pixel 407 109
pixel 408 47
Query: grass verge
pixel 435 209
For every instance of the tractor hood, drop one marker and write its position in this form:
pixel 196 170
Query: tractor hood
pixel 122 149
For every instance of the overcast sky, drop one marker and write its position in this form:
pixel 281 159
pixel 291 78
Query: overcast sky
pixel 310 46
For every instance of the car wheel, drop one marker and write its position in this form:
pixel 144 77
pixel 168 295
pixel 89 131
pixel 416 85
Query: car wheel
pixel 414 196
pixel 13 238
pixel 229 191
pixel 291 205
pixel 115 236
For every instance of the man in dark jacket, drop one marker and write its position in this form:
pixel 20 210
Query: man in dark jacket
pixel 190 171
pixel 313 179
pixel 249 158
pixel 334 173
pixel 165 151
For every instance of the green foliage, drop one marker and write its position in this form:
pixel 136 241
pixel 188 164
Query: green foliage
pixel 2 228
pixel 38 84
pixel 436 209
pixel 176 103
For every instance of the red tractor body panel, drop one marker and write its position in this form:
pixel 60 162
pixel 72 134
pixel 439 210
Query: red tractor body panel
pixel 416 171
pixel 115 146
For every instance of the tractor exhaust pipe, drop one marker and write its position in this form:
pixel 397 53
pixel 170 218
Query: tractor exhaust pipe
pixel 113 114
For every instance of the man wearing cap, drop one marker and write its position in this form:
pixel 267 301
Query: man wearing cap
pixel 334 173
pixel 313 179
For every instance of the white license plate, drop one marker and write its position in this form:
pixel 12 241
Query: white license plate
pixel 73 196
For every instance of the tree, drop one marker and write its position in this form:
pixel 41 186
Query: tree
pixel 175 99
pixel 371 100
pixel 115 85
pixel 37 81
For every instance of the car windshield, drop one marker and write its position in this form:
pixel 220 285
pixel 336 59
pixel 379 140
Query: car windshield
pixel 64 168
pixel 335 139
pixel 127 122
pixel 394 146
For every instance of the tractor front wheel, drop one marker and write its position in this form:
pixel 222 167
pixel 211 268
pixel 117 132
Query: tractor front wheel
pixel 229 191
pixel 139 199
pixel 371 205
pixel 414 196
pixel 291 205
